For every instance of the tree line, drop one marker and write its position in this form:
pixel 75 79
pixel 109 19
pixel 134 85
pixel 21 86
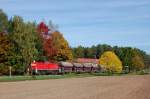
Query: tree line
pixel 23 42
pixel 132 57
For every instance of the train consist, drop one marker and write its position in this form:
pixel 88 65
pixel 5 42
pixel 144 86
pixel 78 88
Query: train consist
pixel 63 67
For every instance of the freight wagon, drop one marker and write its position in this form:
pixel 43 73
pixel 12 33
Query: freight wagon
pixel 78 67
pixel 63 67
pixel 66 67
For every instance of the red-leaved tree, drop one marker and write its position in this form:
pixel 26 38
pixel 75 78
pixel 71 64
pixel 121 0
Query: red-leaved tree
pixel 49 50
pixel 42 28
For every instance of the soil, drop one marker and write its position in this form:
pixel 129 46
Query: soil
pixel 102 87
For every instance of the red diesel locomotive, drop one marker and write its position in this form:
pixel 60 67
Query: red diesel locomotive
pixel 63 67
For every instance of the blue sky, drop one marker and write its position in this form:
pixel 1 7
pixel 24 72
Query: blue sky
pixel 90 22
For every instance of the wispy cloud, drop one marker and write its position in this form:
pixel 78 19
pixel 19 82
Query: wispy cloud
pixel 88 22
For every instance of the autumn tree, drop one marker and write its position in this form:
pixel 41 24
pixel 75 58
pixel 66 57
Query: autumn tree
pixel 42 29
pixel 137 62
pixel 61 45
pixel 49 50
pixel 5 47
pixel 110 62
pixel 55 47
pixel 46 48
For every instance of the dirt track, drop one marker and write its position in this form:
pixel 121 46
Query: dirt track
pixel 124 87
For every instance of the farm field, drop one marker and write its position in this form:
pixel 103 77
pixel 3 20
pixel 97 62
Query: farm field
pixel 100 87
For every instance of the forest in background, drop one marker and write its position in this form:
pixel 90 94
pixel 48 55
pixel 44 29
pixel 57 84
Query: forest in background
pixel 23 42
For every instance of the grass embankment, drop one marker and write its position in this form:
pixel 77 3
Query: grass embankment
pixel 70 75
pixel 42 77
pixel 24 78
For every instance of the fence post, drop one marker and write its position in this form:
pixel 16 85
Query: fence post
pixel 10 71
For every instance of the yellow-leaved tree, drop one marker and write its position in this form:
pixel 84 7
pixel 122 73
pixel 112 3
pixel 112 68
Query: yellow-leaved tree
pixel 63 51
pixel 110 62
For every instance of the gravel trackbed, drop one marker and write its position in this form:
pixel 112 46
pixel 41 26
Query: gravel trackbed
pixel 102 87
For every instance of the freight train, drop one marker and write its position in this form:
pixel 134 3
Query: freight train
pixel 63 67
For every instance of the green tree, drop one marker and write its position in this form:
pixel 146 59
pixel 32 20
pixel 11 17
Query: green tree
pixel 78 52
pixel 110 62
pixel 91 52
pixel 3 21
pixel 24 37
pixel 29 51
pixel 101 48
pixel 147 61
pixel 125 54
pixel 128 55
